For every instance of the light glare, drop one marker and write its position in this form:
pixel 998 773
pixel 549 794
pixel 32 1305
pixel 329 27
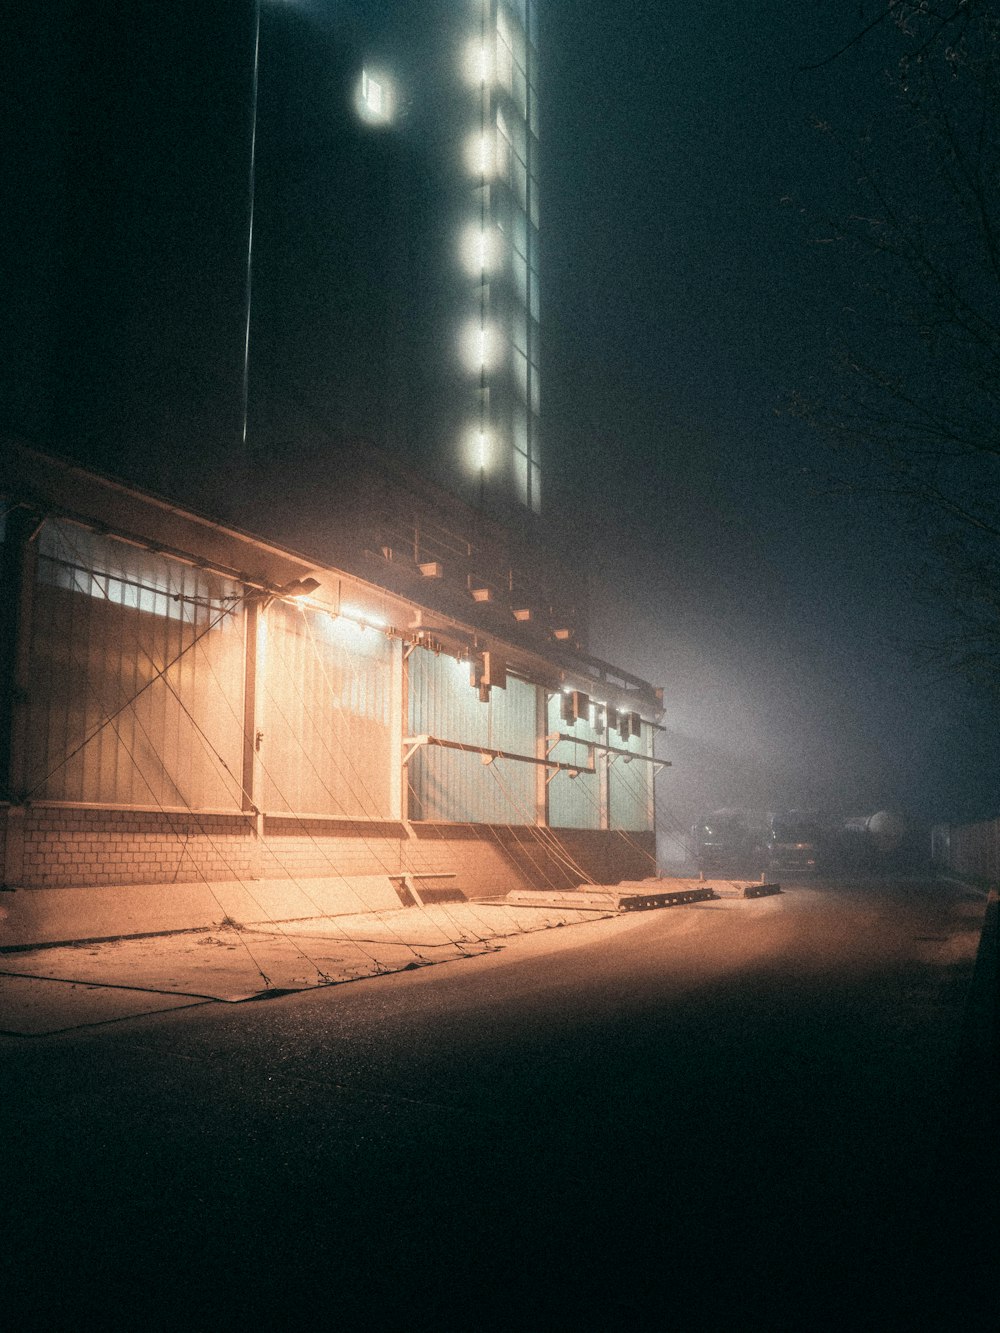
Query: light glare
pixel 363 618
pixel 480 250
pixel 479 449
pixel 480 154
pixel 477 63
pixel 375 97
pixel 480 347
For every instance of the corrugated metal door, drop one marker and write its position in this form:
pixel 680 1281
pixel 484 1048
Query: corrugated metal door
pixel 573 802
pixel 324 708
pixel 446 784
pixel 137 678
pixel 630 785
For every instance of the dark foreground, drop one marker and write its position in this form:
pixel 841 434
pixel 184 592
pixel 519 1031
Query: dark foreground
pixel 750 1114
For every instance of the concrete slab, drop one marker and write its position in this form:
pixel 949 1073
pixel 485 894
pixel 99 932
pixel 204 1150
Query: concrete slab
pixel 51 916
pixel 143 974
pixel 34 1007
pixel 228 965
pixel 585 899
pixel 722 888
pixel 623 896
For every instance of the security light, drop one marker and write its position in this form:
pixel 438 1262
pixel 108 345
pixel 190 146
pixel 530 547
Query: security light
pixel 298 588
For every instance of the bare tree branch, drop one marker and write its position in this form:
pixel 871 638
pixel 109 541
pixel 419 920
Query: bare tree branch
pixel 915 406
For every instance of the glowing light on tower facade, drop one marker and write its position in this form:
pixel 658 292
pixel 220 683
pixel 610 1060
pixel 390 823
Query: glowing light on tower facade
pixel 499 246
pixel 413 321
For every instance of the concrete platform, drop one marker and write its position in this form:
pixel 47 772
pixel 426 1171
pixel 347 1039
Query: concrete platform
pixel 49 984
pixel 51 916
pixel 584 899
pixel 641 894
pixel 52 989
pixel 721 888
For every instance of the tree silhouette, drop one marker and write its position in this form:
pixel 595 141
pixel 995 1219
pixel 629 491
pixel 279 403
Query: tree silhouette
pixel 916 403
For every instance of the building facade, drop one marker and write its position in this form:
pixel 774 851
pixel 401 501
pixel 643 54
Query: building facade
pixel 500 247
pixel 188 706
pixel 409 271
pixel 394 275
pixel 346 682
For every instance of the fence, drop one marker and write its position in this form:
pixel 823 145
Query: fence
pixel 969 849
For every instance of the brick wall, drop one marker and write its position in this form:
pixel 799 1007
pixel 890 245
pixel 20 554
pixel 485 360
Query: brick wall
pixel 61 847
pixel 50 847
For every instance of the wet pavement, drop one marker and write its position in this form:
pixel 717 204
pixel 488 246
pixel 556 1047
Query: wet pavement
pixel 741 1113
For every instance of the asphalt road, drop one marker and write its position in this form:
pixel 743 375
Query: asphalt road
pixel 738 1114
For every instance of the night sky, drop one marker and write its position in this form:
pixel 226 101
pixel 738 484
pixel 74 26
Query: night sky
pixel 684 298
pixel 688 298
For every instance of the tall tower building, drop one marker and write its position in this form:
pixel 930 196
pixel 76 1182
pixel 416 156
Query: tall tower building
pixel 398 295
pixel 395 303
pixel 500 247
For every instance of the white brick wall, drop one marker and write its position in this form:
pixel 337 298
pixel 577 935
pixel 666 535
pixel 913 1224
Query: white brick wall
pixel 77 848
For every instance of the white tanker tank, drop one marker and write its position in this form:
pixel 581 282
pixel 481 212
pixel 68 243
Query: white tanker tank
pixel 883 831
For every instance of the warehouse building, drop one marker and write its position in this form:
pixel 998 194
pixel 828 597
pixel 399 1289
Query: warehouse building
pixel 322 658
pixel 188 707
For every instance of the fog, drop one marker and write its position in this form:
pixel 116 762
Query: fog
pixel 817 704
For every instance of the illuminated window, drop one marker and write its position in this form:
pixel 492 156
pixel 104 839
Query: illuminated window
pixel 504 152
pixel 519 269
pixel 485 154
pixel 480 449
pixel 520 366
pixel 520 182
pixel 480 251
pixel 373 95
pixel 520 232
pixel 536 488
pixel 481 155
pixel 521 476
pixel 374 99
pixel 520 89
pixel 505 56
pixel 520 425
pixel 477 63
pixel 519 331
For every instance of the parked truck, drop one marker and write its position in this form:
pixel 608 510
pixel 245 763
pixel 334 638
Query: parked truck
pixel 730 842
pixel 795 842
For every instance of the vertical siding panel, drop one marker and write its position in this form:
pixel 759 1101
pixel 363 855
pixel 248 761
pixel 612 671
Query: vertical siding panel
pixel 327 687
pixel 106 623
pixel 630 794
pixel 49 638
pixel 573 802
pixel 180 744
pixel 450 785
pixel 81 721
pixel 133 671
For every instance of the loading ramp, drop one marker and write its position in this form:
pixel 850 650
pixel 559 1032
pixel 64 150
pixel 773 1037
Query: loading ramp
pixel 640 895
